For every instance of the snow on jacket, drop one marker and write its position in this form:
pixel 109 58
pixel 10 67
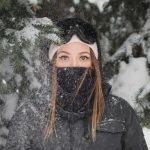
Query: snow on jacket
pixel 118 130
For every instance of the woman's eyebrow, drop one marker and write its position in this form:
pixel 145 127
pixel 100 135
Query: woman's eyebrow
pixel 85 53
pixel 63 52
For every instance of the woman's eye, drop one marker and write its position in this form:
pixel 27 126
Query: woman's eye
pixel 84 57
pixel 63 57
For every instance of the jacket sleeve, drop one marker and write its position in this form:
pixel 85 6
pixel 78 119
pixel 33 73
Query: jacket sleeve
pixel 133 138
pixel 19 129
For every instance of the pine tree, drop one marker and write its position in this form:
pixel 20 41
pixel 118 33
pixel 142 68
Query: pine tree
pixel 21 38
pixel 127 30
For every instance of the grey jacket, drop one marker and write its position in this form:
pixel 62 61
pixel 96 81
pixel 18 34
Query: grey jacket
pixel 118 130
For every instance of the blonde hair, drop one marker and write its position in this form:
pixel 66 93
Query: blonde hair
pixel 98 101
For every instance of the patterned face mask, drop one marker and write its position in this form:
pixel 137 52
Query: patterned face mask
pixel 75 86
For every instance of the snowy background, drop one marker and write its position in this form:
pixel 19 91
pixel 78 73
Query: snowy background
pixel 124 28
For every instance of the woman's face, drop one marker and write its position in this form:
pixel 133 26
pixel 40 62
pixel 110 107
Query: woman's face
pixel 74 55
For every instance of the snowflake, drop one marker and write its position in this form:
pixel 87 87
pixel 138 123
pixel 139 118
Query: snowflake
pixel 4 81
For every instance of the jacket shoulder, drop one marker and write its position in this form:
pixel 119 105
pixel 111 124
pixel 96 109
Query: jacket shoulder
pixel 120 108
pixel 116 113
pixel 116 101
pixel 117 108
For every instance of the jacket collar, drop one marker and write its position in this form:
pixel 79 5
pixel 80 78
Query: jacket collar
pixel 106 88
pixel 71 116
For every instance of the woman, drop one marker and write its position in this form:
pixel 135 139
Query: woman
pixel 82 114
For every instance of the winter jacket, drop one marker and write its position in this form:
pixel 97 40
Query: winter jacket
pixel 119 128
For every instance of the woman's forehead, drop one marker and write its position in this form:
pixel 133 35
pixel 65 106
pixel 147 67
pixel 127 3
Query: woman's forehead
pixel 74 47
